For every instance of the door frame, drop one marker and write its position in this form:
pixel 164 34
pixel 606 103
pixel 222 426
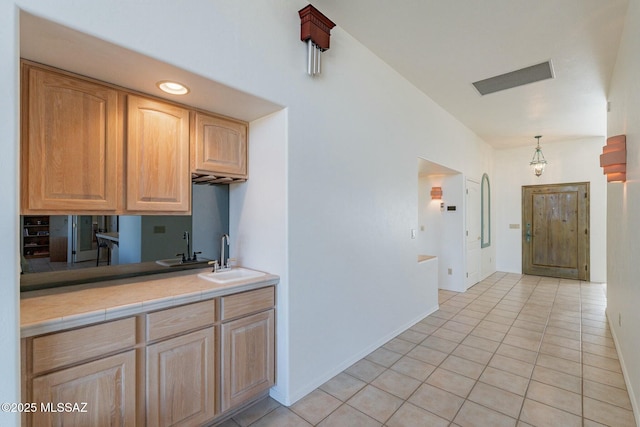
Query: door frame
pixel 583 270
pixel 79 254
pixel 473 247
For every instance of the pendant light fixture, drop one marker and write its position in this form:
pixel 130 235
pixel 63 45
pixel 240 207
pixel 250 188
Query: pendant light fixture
pixel 538 161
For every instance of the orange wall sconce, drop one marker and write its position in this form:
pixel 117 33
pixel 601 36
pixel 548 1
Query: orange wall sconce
pixel 613 159
pixel 436 193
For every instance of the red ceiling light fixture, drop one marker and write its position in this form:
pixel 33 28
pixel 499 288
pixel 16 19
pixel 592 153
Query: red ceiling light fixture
pixel 613 159
pixel 315 30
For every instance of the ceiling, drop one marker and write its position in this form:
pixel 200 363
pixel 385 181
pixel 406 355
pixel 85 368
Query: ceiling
pixel 53 44
pixel 443 46
pixel 440 46
pixel 426 167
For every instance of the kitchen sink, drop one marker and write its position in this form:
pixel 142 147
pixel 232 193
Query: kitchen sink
pixel 233 275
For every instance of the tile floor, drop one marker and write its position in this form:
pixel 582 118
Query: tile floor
pixel 512 350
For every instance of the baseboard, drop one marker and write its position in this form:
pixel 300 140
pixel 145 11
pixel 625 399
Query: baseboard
pixel 278 396
pixel 625 375
pixel 302 392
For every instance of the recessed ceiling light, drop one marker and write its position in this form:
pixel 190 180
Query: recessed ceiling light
pixel 173 88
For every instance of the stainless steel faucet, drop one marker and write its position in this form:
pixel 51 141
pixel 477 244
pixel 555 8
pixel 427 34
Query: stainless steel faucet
pixel 223 261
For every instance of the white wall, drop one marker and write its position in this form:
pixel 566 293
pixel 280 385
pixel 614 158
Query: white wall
pixel 443 234
pixel 353 279
pixel 258 225
pixel 344 180
pixel 430 217
pixel 9 223
pixel 570 161
pixel 623 208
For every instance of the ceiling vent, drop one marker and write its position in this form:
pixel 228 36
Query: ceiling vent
pixel 521 77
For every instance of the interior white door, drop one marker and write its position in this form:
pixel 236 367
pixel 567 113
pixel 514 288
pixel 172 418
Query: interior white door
pixel 85 247
pixel 472 209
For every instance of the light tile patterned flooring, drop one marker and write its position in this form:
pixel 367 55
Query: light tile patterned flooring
pixel 512 350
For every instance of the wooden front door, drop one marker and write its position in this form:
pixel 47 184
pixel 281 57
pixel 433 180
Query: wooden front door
pixel 555 238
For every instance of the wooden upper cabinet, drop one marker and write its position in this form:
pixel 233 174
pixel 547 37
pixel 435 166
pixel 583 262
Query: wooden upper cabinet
pixel 218 146
pixel 70 144
pixel 93 148
pixel 157 175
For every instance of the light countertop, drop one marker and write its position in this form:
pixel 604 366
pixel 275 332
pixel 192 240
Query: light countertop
pixel 51 310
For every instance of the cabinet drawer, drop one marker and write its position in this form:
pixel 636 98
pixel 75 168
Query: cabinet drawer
pixel 66 348
pixel 180 319
pixel 247 302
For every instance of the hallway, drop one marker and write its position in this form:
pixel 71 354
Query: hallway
pixel 512 348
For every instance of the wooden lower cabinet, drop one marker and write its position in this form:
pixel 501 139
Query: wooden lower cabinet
pixel 181 380
pixel 182 366
pixel 247 358
pixel 102 391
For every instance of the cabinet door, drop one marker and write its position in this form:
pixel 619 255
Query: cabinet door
pixel 219 146
pixel 107 386
pixel 247 358
pixel 181 380
pixel 158 177
pixel 70 144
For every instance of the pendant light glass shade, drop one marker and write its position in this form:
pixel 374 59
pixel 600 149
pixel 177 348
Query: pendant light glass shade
pixel 538 161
